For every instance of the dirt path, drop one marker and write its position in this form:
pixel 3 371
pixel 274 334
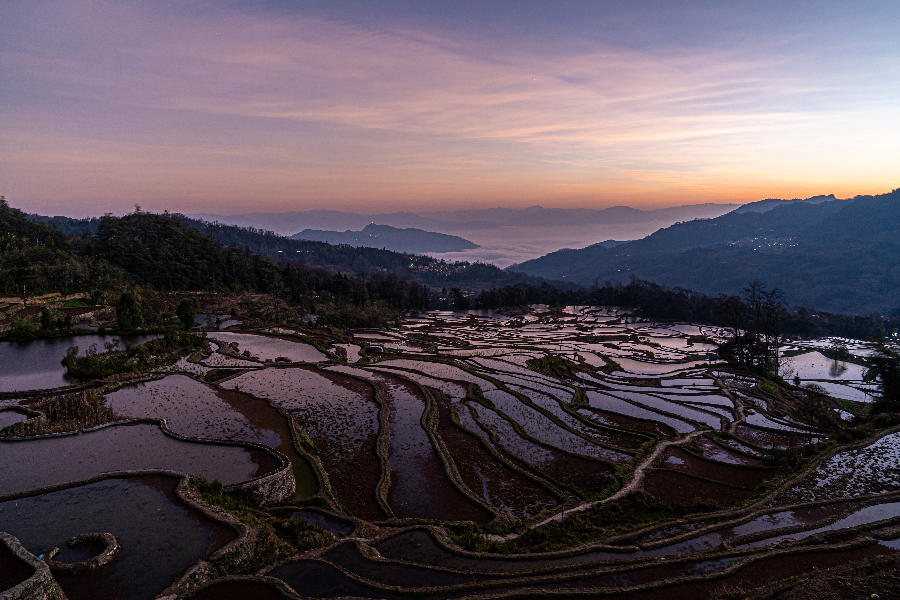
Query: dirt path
pixel 637 477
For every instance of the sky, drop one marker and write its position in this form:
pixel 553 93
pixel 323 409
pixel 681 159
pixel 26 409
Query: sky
pixel 243 106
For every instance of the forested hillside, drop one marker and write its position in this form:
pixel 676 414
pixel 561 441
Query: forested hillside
pixel 344 259
pixel 839 256
pixel 163 254
pixel 166 253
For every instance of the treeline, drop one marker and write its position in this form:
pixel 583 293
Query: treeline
pixel 659 302
pixel 171 253
pixel 334 258
pixel 356 259
pixel 164 253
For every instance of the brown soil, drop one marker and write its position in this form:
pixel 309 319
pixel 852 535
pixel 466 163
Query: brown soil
pixel 355 488
pixel 743 584
pixel 808 578
pixel 522 496
pixel 669 486
pixel 586 475
pixel 623 422
pixel 235 590
pixel 262 416
pixel 875 578
pixel 449 503
pixel 767 439
pixel 749 478
pixel 712 449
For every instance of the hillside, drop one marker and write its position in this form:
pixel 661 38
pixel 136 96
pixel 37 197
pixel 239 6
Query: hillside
pixel 411 240
pixel 171 251
pixel 836 255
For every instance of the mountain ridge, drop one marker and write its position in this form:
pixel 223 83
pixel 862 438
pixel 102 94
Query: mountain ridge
pixel 412 240
pixel 288 223
pixel 836 255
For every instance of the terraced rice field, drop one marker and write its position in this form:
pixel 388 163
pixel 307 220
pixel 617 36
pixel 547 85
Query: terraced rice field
pixel 519 425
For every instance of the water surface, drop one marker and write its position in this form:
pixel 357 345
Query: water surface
pixel 36 365
pixel 159 535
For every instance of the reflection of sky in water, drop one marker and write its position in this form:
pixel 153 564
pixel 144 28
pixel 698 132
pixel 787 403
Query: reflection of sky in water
pixel 36 365
pixel 191 409
pixel 815 365
pixel 268 348
pixel 327 411
pixel 117 448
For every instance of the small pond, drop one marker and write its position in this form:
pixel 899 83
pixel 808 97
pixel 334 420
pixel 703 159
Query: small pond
pixel 36 365
pixel 159 535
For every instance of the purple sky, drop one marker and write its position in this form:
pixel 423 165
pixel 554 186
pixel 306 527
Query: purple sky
pixel 230 107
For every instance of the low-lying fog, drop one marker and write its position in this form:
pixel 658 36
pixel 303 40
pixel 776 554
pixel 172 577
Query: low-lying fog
pixel 508 245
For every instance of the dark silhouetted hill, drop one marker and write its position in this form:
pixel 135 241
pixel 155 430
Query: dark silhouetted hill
pixel 415 241
pixel 836 255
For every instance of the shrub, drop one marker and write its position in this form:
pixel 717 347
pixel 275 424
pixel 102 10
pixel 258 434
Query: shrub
pixel 128 313
pixel 22 330
pixel 187 312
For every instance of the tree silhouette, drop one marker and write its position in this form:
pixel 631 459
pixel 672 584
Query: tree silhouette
pixel 187 312
pixel 884 371
pixel 128 313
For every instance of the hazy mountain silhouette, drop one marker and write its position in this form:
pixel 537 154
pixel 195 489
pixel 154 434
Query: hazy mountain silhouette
pixel 415 241
pixel 837 255
pixel 465 220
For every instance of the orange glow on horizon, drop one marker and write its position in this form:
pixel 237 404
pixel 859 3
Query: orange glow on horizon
pixel 230 112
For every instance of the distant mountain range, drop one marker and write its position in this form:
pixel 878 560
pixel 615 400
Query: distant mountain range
pixel 836 255
pixel 414 241
pixel 466 220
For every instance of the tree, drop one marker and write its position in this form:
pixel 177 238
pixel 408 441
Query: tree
pixel 50 319
pixel 884 371
pixel 459 299
pixel 187 312
pixel 756 323
pixel 128 313
pixel 21 330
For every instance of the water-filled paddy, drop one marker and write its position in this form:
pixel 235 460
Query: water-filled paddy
pixel 36 365
pixel 159 535
pixel 863 516
pixel 390 573
pixel 493 481
pixel 616 405
pixel 13 571
pixel 79 456
pixel 195 409
pixel 671 486
pixel 324 521
pixel 419 486
pixel 319 579
pixel 817 366
pixel 683 462
pixel 869 470
pixel 190 408
pixel 238 590
pixel 264 347
pixel 11 417
pixel 340 415
pixel 562 467
pixel 523 441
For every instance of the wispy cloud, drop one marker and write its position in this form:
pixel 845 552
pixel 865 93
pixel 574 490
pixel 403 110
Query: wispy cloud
pixel 310 109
